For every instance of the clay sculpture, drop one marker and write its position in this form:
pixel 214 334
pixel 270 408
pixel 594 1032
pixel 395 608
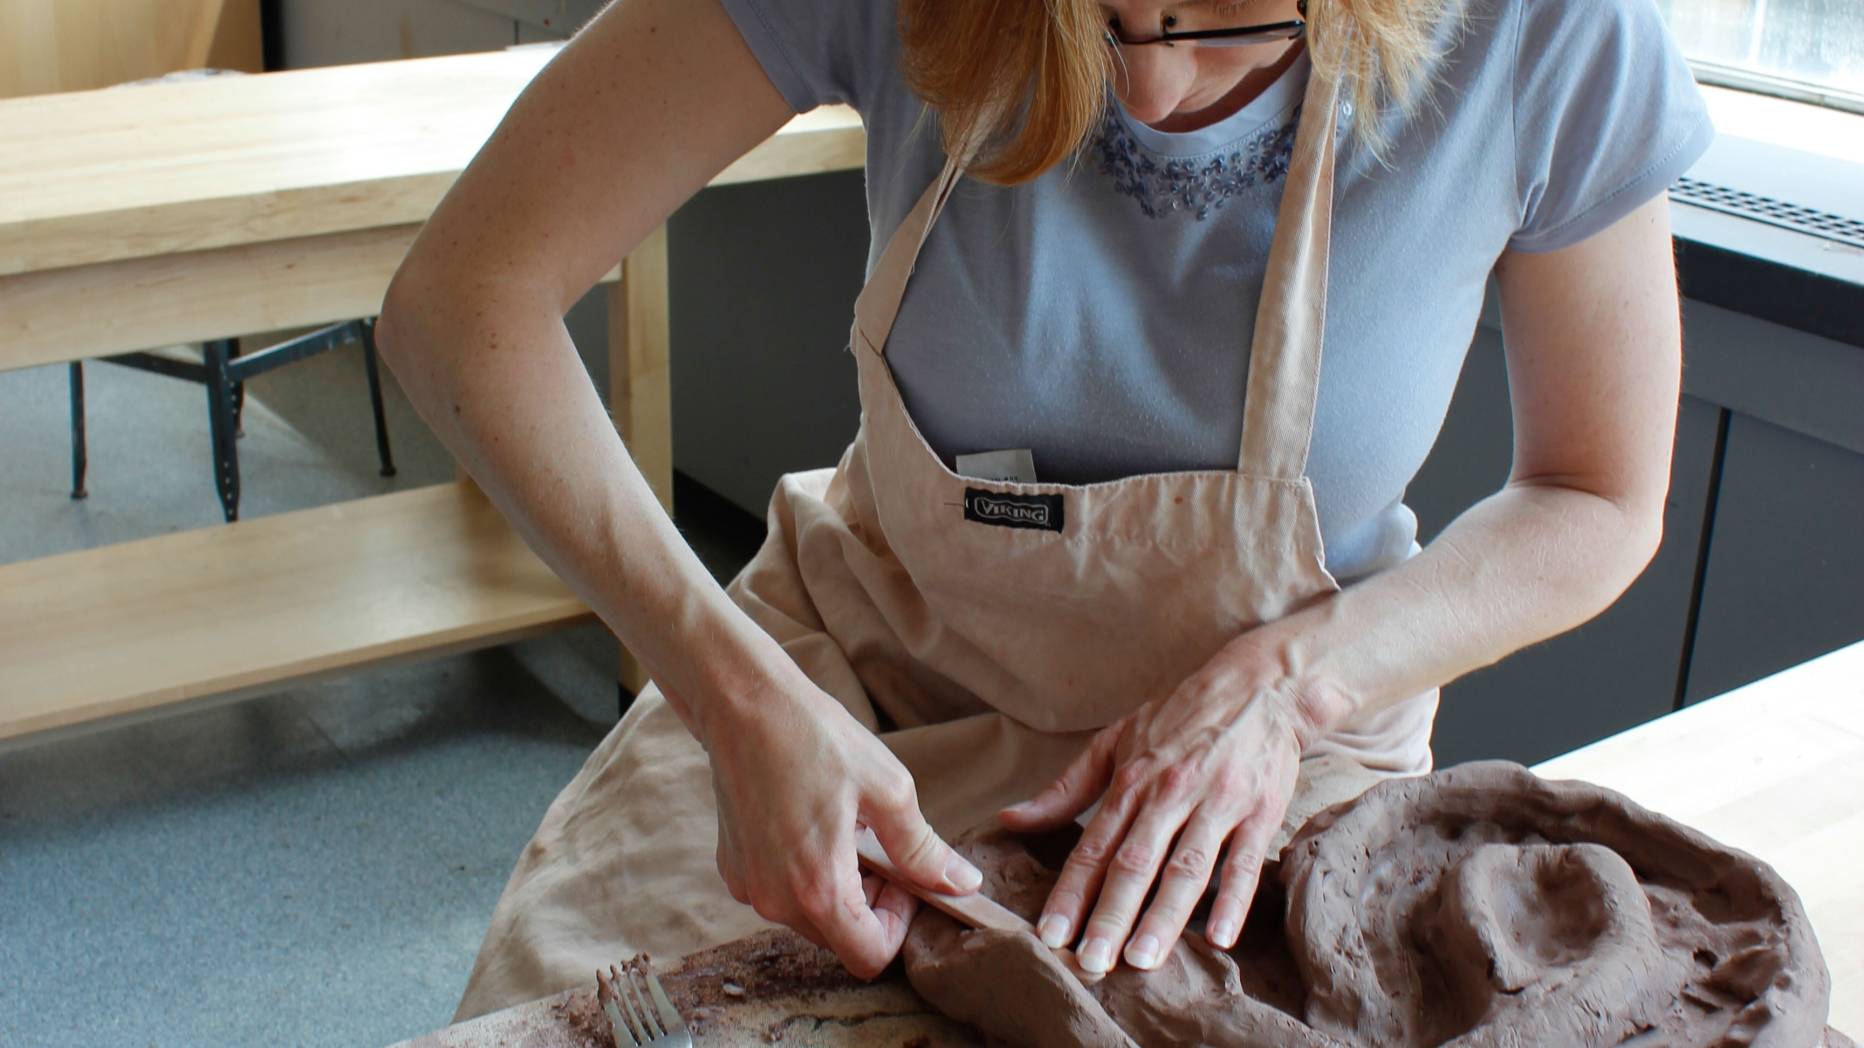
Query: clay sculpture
pixel 1472 907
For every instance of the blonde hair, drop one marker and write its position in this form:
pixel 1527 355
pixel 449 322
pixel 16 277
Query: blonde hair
pixel 1020 84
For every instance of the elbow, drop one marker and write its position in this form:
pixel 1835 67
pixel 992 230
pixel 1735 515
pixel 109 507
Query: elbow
pixel 1639 531
pixel 1643 511
pixel 1645 534
pixel 1609 553
pixel 417 336
pixel 1610 533
pixel 396 328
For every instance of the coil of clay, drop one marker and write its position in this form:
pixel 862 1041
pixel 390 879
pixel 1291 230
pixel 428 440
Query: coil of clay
pixel 1472 907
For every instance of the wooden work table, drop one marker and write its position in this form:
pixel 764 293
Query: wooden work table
pixel 143 217
pixel 102 176
pixel 1775 768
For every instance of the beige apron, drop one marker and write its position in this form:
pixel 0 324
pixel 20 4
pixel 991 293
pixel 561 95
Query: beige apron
pixel 986 629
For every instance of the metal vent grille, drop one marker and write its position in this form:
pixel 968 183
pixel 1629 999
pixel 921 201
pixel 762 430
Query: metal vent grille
pixel 1766 209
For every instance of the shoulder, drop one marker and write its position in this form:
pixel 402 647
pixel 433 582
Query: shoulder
pixel 1585 108
pixel 1623 44
pixel 1606 115
pixel 821 52
pixel 1549 52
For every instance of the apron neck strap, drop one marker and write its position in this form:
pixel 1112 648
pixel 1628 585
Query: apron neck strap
pixel 879 302
pixel 1284 356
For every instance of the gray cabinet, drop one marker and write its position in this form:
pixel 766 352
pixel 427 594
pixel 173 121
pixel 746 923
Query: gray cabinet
pixel 1785 572
pixel 764 277
pixel 1780 579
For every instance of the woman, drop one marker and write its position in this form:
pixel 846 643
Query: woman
pixel 1045 575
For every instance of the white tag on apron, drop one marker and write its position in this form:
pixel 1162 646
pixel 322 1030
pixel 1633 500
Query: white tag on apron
pixel 1016 464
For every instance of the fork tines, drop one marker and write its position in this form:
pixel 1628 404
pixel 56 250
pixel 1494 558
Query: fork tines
pixel 638 1009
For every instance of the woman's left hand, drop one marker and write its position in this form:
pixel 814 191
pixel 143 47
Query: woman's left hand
pixel 1209 767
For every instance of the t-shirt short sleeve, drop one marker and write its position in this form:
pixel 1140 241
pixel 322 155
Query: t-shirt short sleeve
pixel 820 52
pixel 1606 116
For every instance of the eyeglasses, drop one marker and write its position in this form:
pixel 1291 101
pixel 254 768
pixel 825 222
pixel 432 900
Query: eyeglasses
pixel 1227 36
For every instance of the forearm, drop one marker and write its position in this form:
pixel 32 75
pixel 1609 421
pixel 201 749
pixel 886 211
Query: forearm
pixel 1527 563
pixel 637 113
pixel 492 370
pixel 1594 368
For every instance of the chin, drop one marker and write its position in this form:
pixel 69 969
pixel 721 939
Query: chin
pixel 1154 113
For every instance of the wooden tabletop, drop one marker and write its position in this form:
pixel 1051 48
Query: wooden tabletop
pixel 102 176
pixel 1776 769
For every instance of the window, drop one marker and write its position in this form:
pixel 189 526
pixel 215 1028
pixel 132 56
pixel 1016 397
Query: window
pixel 1809 50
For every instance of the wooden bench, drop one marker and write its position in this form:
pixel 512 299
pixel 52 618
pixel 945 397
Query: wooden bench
pixel 228 611
pixel 186 212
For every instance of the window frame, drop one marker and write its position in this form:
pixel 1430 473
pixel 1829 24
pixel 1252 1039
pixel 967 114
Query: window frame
pixel 1719 74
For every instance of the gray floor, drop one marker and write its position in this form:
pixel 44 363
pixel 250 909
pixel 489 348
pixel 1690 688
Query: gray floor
pixel 315 866
pixel 309 441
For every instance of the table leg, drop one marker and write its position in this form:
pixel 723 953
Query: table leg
pixel 640 394
pixel 223 421
pixel 382 452
pixel 80 455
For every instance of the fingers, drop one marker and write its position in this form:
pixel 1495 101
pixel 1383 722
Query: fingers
pixel 1074 792
pixel 794 793
pixel 835 904
pixel 1086 869
pixel 893 906
pixel 1180 885
pixel 1241 871
pixel 864 920
pixel 825 900
pixel 892 812
pixel 1133 864
pixel 1160 831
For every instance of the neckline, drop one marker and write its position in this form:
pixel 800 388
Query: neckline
pixel 1278 99
pixel 1285 347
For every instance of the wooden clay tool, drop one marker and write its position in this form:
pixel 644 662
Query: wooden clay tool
pixel 975 910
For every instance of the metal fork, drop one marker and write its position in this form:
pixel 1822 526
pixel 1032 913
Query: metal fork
pixel 624 991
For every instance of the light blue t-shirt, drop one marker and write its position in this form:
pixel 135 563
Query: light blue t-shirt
pixel 1101 315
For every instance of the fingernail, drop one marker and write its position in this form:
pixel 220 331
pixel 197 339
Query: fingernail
pixel 962 874
pixel 1222 933
pixel 1097 955
pixel 1143 952
pixel 1053 931
pixel 1019 807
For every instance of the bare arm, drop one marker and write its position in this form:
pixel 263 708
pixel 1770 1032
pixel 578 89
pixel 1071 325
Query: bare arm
pixel 632 118
pixel 1594 363
pixel 636 115
pixel 1594 350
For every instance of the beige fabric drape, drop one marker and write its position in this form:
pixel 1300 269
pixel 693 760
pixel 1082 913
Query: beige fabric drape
pixel 986 629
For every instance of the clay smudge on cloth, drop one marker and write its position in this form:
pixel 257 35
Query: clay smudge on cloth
pixel 1472 907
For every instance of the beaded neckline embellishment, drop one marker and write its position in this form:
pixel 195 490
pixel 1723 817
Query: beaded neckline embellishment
pixel 1196 185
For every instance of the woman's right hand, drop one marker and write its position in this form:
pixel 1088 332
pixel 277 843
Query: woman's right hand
pixel 798 780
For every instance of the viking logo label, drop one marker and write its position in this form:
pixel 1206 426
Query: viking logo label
pixel 1036 512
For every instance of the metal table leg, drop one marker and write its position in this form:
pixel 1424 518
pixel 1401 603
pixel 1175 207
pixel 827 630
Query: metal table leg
pixel 223 425
pixel 375 398
pixel 80 454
